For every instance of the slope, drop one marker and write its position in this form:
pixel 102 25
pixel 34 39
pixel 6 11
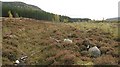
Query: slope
pixel 43 43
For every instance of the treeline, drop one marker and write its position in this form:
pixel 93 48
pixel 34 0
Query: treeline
pixel 19 9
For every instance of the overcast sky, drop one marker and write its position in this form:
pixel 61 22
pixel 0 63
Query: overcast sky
pixel 93 9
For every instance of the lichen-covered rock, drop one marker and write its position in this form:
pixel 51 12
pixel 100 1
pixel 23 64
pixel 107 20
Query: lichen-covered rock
pixel 94 51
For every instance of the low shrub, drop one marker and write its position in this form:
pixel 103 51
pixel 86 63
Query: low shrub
pixel 84 53
pixel 105 60
pixel 104 50
pixel 10 54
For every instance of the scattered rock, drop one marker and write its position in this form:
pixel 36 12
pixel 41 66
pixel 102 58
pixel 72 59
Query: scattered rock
pixel 68 40
pixel 17 61
pixel 94 51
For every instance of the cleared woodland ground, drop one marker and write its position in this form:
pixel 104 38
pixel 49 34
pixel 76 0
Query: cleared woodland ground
pixel 36 39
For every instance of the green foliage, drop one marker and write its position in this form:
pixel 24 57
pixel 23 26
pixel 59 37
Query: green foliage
pixel 65 20
pixel 20 9
pixel 10 14
pixel 28 11
pixel 16 15
pixel 56 18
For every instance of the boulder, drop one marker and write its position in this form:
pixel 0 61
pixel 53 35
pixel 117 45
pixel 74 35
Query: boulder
pixel 94 51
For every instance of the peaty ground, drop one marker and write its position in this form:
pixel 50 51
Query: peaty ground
pixel 43 42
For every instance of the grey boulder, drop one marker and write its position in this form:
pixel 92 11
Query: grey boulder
pixel 94 51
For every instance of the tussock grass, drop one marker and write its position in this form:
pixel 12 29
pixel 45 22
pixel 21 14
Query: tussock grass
pixel 110 28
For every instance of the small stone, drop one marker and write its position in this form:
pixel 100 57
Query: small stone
pixel 17 61
pixel 68 40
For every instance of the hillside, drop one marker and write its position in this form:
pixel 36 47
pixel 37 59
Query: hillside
pixel 20 9
pixel 20 5
pixel 113 19
pixel 43 42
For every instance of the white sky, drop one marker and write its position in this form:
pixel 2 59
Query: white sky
pixel 93 9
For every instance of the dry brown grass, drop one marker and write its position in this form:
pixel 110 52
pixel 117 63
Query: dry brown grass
pixel 105 60
pixel 29 36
